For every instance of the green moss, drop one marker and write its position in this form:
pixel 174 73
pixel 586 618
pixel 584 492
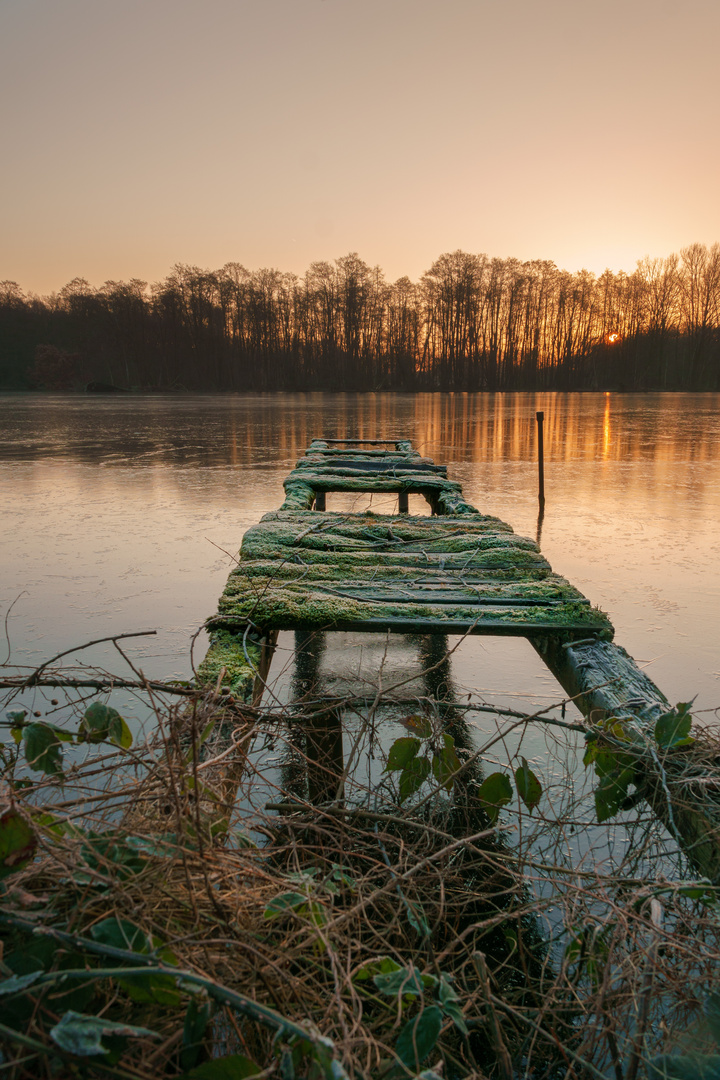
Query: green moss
pixel 287 606
pixel 226 651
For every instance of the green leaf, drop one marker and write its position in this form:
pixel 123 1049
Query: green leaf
pixel 197 1018
pixel 384 965
pixel 449 1002
pixel 529 787
pixel 42 748
pixel 591 750
pixel 446 763
pixel 95 724
pixel 119 733
pixel 17 843
pixel 673 728
pixel 401 753
pixel 232 1067
pixel 82 1035
pixel 164 846
pixel 495 792
pixel 684 1067
pixel 404 980
pixel 286 902
pixel 121 934
pixel 140 986
pixel 101 723
pixel 413 776
pixel 419 724
pixel 418 1037
pixel 15 983
pixel 416 917
pixel 611 792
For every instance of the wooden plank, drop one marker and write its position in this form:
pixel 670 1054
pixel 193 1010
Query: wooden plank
pixel 413 625
pixel 604 679
pixel 346 468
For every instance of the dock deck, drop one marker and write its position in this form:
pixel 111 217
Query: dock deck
pixel 454 571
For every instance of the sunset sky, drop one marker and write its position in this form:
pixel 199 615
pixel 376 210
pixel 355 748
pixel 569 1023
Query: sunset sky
pixel 141 133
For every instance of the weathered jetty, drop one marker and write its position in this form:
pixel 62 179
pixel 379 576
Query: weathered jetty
pixel 453 571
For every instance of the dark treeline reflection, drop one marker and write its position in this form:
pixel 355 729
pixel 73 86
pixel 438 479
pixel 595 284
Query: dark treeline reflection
pixel 470 323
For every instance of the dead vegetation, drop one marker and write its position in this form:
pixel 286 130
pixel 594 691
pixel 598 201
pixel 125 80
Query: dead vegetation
pixel 227 890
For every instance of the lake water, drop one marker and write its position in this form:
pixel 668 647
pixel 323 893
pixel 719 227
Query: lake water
pixel 117 513
pixel 125 514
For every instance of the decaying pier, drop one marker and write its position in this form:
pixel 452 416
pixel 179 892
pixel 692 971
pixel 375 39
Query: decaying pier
pixel 455 571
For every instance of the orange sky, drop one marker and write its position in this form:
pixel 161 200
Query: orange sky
pixel 140 133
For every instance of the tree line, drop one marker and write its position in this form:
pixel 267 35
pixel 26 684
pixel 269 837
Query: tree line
pixel 471 323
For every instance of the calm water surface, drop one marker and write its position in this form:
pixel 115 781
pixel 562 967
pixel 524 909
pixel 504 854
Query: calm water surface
pixel 118 514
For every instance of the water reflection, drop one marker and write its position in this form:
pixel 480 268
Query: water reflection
pixel 235 430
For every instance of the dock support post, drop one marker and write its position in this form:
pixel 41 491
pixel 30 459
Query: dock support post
pixel 541 458
pixel 403 506
pixel 320 500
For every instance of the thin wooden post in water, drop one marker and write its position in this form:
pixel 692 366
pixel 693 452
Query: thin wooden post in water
pixel 541 458
pixel 403 505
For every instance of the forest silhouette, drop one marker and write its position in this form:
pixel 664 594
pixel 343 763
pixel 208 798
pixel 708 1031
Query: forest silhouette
pixel 472 323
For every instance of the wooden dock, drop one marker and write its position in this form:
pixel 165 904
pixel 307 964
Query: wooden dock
pixel 454 571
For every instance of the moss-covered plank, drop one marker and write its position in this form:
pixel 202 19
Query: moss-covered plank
pixel 262 538
pixel 287 607
pixel 406 526
pixel 506 593
pixel 391 481
pixel 365 562
pixel 294 569
pixel 231 663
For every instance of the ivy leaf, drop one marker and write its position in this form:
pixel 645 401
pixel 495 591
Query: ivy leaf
pixel 286 902
pixel 420 725
pixel 404 980
pixel 119 733
pixel 384 965
pixel 15 983
pixel 673 728
pixel 528 786
pixel 197 1018
pixel 449 1002
pixel 611 792
pixel 17 843
pixel 96 721
pixel 413 776
pixel 495 792
pixel 418 1037
pixel 416 917
pixel 591 750
pixel 401 753
pixel 42 749
pixel 82 1035
pixel 140 986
